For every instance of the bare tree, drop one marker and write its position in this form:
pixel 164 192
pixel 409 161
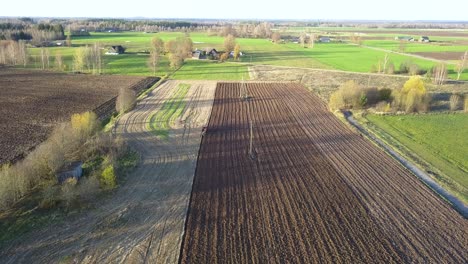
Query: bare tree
pixel 153 61
pixel 59 61
pixel 23 53
pixel 157 44
pixel 455 100
pixel 276 37
pixel 311 41
pixel 237 52
pixel 440 74
pixel 302 39
pixel 43 58
pixel 125 100
pixel 95 58
pixel 229 43
pixel 402 46
pixel 79 59
pixel 385 62
pixel 461 65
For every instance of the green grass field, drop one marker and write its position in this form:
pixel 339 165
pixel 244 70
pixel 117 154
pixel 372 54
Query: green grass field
pixel 340 56
pixel 172 108
pixel 440 140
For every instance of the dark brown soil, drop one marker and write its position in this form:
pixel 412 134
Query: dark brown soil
pixel 32 102
pixel 441 55
pixel 316 193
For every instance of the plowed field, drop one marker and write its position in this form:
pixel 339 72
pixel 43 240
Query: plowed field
pixel 33 102
pixel 317 191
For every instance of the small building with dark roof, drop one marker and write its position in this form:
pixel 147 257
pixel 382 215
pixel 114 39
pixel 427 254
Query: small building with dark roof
pixel 71 170
pixel 116 50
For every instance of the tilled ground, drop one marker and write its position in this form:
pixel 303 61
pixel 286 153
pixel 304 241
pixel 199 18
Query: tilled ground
pixel 317 191
pixel 142 221
pixel 33 102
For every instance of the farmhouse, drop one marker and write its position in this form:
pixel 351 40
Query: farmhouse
pixel 231 54
pixel 324 39
pixel 72 170
pixel 424 39
pixel 212 54
pixel 115 50
pixel 199 54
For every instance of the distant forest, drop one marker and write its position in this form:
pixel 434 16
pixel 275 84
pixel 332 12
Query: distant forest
pixel 41 30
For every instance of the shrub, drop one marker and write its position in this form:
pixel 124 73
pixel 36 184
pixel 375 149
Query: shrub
pixel 383 107
pixel 414 69
pixel 390 68
pixel 108 179
pixel 351 95
pixel 125 100
pixel 404 67
pixel 385 94
pixel 413 97
pixel 84 124
pixel 465 107
pixel 455 100
pixel 69 192
pixel 49 197
pixel 88 187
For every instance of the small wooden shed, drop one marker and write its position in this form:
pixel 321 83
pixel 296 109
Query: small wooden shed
pixel 71 170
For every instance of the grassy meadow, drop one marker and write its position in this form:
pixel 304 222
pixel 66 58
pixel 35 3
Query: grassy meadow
pixel 439 139
pixel 340 56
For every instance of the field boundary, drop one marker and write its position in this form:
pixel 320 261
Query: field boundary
pixel 456 203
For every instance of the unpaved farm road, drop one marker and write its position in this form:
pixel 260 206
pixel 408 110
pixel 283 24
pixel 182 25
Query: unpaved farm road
pixel 143 221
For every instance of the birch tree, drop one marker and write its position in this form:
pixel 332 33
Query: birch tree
pixel 461 65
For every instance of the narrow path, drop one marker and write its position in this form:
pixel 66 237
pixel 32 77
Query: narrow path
pixel 143 220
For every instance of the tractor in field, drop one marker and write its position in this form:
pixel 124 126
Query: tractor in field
pixel 204 129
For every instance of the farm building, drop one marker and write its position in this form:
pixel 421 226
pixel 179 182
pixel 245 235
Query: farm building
pixel 212 54
pixel 404 38
pixel 115 50
pixel 231 54
pixel 199 55
pixel 324 39
pixel 72 170
pixel 424 39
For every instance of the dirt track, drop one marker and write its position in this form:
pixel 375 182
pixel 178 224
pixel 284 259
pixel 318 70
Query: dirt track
pixel 142 222
pixel 318 192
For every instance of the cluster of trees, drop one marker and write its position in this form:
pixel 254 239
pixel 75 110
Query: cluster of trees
pixel 28 31
pixel 179 49
pixel 88 59
pixel 307 40
pixel 78 139
pixel 157 50
pixel 245 30
pixel 413 97
pixel 136 25
pixel 13 53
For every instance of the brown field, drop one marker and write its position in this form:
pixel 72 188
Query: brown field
pixel 439 33
pixel 317 192
pixel 325 82
pixel 441 55
pixel 32 102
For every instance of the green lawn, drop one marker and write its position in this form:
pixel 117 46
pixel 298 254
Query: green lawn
pixel 172 108
pixel 439 139
pixel 340 56
pixel 415 46
pixel 206 70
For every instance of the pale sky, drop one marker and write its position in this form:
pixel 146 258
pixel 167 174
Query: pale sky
pixel 243 9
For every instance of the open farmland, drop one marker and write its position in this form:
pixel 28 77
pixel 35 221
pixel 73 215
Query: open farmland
pixel 143 220
pixel 317 191
pixel 439 140
pixel 33 102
